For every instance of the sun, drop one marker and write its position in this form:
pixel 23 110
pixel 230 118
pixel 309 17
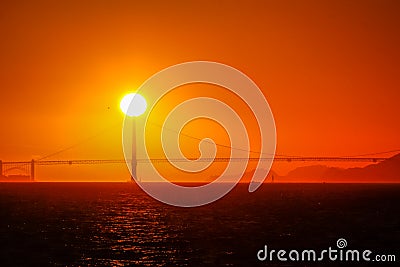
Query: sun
pixel 133 105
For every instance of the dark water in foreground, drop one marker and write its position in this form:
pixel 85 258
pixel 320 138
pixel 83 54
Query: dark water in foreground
pixel 116 224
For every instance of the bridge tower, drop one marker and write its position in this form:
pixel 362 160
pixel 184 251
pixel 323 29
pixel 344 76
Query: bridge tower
pixel 134 159
pixel 32 170
pixel 1 167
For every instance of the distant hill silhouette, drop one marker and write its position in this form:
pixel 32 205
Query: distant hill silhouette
pixel 387 171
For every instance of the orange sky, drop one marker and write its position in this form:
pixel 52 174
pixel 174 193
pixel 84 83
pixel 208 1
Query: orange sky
pixel 329 70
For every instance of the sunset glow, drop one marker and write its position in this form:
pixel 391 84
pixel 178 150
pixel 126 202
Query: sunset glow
pixel 329 71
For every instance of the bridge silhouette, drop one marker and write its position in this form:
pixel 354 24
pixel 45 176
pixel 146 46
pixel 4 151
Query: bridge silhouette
pixel 28 167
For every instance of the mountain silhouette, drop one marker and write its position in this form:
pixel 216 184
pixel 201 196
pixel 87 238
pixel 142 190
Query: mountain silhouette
pixel 387 171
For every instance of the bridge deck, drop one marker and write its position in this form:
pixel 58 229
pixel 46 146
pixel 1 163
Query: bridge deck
pixel 163 160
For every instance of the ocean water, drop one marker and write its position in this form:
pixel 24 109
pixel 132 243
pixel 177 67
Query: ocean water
pixel 116 224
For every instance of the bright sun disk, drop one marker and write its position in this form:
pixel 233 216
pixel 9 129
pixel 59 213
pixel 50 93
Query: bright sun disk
pixel 133 105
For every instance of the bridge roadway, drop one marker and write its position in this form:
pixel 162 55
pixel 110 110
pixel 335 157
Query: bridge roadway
pixel 164 160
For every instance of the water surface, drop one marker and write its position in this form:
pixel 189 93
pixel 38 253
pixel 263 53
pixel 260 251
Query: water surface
pixel 116 224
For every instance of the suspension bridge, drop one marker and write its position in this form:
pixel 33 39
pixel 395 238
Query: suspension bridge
pixel 27 168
